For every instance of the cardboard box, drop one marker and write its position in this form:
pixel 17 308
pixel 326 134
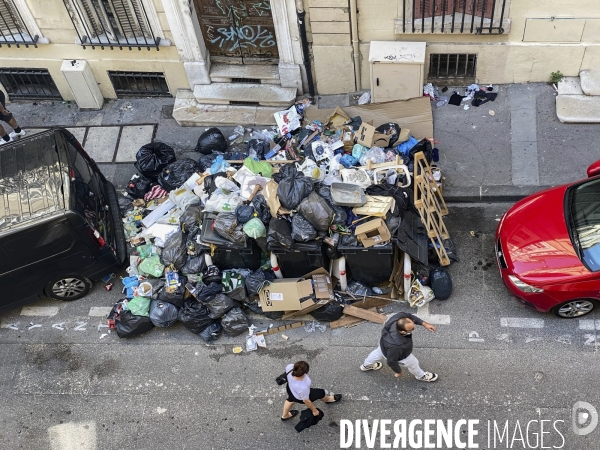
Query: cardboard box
pixel 369 137
pixel 414 114
pixel 285 294
pixel 372 233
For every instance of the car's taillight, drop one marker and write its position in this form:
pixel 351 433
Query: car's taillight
pixel 97 237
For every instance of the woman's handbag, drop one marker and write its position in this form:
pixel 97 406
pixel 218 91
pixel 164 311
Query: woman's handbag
pixel 282 379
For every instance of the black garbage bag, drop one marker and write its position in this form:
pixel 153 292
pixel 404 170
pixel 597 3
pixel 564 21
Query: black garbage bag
pixel 219 306
pixel 286 171
pixel 163 314
pixel 207 292
pixel 258 148
pixel 302 230
pixel 235 322
pixel 422 146
pixel 209 182
pixel 450 247
pixel 206 160
pixel 194 316
pixel 262 209
pixel 211 274
pixel 152 158
pixel 293 188
pixel 174 252
pixel 315 209
pixel 328 313
pixel 125 205
pixel 340 216
pixel 190 219
pixel 138 186
pixel 228 227
pixel 212 140
pixel 441 283
pixel 254 282
pixel 128 325
pixel 280 233
pixel 359 289
pixel 391 129
pixel 239 294
pixel 212 332
pixel 194 264
pixel 174 297
pixel 177 173
pixel 243 213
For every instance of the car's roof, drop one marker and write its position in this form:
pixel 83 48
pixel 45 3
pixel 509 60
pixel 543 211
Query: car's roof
pixel 30 180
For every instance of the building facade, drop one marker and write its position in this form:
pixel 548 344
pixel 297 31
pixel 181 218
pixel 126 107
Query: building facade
pixel 262 53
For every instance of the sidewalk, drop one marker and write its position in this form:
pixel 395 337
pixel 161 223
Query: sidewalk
pixel 502 156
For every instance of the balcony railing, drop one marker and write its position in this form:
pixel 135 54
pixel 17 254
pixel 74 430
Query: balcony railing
pixel 13 30
pixel 453 16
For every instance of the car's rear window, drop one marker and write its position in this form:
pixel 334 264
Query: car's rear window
pixel 584 223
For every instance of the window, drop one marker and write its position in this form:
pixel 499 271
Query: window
pixel 113 23
pixel 138 84
pixel 447 67
pixel 30 84
pixel 12 26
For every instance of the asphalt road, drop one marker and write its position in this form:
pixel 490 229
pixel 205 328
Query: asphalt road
pixel 69 384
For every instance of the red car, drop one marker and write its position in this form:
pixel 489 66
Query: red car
pixel 548 248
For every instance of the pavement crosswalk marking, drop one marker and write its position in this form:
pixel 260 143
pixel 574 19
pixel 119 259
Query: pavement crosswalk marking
pixel 521 322
pixel 47 311
pixel 73 436
pixel 99 311
pixel 589 324
pixel 435 319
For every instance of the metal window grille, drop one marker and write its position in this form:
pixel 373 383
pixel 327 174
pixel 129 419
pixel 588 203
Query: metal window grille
pixel 112 23
pixel 13 30
pixel 139 84
pixel 245 80
pixel 452 66
pixel 454 16
pixel 29 84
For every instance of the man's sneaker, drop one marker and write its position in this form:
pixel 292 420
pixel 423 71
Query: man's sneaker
pixel 375 366
pixel 429 377
pixel 15 135
pixel 2 141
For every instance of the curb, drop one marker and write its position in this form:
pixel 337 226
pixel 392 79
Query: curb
pixel 489 194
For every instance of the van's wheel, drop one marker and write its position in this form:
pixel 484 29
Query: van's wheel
pixel 68 288
pixel 574 308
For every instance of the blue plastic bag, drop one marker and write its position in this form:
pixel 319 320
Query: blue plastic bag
pixel 130 283
pixel 219 165
pixel 348 161
pixel 405 147
pixel 358 151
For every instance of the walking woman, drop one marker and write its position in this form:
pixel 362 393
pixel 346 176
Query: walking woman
pixel 299 391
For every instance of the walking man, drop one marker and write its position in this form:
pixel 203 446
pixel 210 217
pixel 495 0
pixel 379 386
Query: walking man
pixel 6 116
pixel 396 345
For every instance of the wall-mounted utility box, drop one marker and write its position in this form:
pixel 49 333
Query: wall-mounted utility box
pixel 83 85
pixel 397 70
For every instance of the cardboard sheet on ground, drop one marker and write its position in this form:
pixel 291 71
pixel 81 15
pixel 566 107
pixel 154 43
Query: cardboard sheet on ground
pixel 414 114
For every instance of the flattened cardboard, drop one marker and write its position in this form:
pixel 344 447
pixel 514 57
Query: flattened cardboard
pixel 414 114
pixel 337 118
pixel 285 294
pixel 373 232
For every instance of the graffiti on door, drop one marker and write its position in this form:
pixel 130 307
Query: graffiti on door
pixel 238 28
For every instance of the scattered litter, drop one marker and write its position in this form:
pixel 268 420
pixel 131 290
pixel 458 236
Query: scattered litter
pixel 237 349
pixel 285 337
pixel 491 112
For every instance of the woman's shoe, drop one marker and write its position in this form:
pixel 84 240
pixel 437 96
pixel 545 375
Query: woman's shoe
pixel 293 414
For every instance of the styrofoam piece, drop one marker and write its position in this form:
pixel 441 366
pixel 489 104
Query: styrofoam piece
pixel 160 211
pixel 377 206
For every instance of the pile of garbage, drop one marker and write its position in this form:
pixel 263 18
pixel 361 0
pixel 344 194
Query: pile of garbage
pixel 208 235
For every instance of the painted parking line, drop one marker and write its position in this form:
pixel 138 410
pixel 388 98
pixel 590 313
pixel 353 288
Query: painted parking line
pixel 73 436
pixel 521 322
pixel 46 311
pixel 99 311
pixel 589 324
pixel 435 319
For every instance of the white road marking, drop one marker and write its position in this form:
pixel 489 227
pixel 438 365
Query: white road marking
pixel 10 326
pixel 99 311
pixel 589 324
pixel 47 311
pixel 80 326
pixel 474 337
pixel 436 319
pixel 59 326
pixel 73 436
pixel 520 322
pixel 32 326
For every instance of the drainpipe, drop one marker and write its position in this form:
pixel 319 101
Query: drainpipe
pixel 355 50
pixel 305 53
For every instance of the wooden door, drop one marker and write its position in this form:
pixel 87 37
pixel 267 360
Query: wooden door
pixel 238 31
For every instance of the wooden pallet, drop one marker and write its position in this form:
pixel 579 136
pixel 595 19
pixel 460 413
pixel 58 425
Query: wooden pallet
pixel 431 206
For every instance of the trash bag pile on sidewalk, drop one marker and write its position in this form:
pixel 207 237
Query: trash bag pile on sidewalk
pixel 207 235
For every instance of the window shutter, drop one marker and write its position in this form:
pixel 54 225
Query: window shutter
pixel 10 21
pixel 97 22
pixel 129 18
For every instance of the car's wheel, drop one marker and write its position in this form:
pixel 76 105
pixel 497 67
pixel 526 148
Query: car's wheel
pixel 574 308
pixel 68 288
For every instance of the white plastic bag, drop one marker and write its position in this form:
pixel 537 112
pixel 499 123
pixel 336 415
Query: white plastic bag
pixel 419 294
pixel 375 154
pixel 221 202
pixel 226 184
pixel 365 98
pixel 183 197
pixel 287 120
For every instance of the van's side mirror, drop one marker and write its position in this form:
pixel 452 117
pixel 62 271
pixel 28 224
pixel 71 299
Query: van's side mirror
pixel 594 169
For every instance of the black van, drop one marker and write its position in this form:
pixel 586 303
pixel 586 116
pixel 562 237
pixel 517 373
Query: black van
pixel 60 225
